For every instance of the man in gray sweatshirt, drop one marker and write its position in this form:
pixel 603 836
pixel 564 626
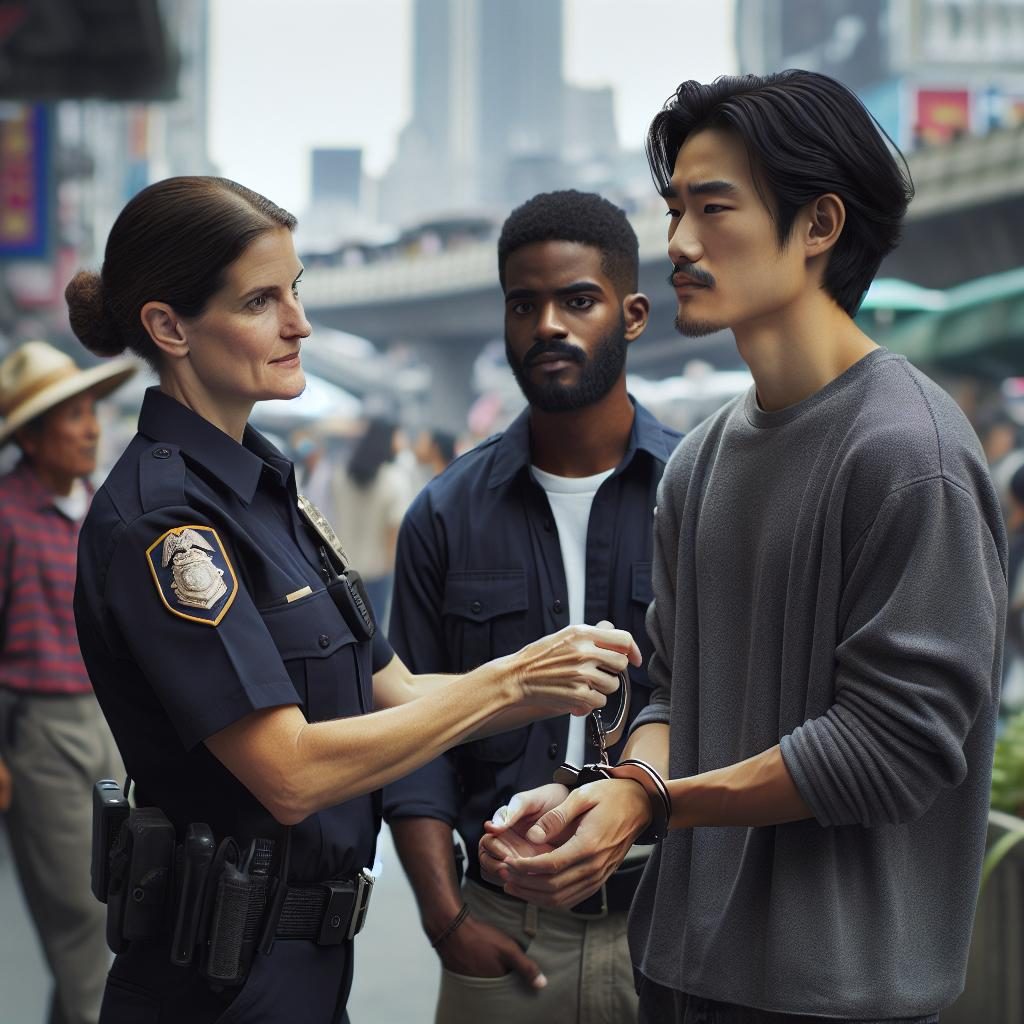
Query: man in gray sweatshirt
pixel 829 598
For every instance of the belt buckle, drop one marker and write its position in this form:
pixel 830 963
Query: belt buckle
pixel 586 915
pixel 347 902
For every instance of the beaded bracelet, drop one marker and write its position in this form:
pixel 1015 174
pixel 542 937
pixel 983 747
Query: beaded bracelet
pixel 452 926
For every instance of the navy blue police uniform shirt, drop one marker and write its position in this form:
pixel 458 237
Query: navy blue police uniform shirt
pixel 479 574
pixel 200 599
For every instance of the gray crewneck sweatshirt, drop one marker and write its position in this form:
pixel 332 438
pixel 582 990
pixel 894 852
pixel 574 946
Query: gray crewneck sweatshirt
pixel 832 577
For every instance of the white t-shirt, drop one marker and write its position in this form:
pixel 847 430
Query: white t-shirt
pixel 570 499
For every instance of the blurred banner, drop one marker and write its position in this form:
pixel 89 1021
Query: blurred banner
pixel 26 181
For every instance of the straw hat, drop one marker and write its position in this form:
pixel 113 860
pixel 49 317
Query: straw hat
pixel 36 377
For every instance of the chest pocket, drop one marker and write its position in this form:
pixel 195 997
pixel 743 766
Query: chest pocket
pixel 484 614
pixel 330 670
pixel 641 595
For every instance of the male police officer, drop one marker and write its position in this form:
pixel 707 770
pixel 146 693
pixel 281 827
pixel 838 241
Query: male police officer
pixel 544 525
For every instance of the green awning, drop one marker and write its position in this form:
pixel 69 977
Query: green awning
pixel 976 328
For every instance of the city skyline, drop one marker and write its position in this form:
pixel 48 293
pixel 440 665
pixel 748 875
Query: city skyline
pixel 348 83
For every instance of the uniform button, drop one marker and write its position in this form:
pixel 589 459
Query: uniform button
pixel 557 606
pixel 324 640
pixel 475 607
pixel 553 751
pixel 162 453
pixel 549 524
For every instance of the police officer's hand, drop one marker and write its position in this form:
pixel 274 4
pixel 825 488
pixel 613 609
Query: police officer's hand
pixel 573 670
pixel 6 786
pixel 480 950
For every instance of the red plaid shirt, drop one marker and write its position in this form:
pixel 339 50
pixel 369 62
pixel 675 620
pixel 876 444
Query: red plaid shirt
pixel 38 548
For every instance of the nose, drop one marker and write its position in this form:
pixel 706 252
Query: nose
pixel 683 244
pixel 295 324
pixel 549 323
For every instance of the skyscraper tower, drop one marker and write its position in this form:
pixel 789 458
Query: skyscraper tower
pixel 488 97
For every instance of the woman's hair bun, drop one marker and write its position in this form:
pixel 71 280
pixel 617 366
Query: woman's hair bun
pixel 90 319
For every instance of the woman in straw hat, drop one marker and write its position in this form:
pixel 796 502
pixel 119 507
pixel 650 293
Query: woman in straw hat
pixel 230 642
pixel 53 740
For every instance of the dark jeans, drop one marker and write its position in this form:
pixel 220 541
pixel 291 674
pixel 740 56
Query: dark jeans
pixel 660 1005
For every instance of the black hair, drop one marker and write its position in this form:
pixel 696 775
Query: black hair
pixel 173 243
pixel 571 216
pixel 806 135
pixel 372 450
pixel 445 442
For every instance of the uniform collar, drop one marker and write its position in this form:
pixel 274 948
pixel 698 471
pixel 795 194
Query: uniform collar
pixel 512 451
pixel 239 466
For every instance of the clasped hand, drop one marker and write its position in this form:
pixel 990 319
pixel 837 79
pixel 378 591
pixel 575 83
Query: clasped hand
pixel 554 847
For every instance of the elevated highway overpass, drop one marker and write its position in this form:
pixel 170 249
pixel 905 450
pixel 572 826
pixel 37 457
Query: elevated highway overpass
pixel 966 221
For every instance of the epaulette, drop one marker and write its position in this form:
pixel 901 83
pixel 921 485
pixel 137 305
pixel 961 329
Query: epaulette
pixel 161 477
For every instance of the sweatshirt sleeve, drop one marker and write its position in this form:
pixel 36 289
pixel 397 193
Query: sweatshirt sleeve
pixel 661 613
pixel 921 633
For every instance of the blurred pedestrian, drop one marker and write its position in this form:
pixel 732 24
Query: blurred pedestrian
pixel 434 450
pixel 54 742
pixel 368 496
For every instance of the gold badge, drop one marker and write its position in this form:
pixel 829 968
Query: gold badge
pixel 191 569
pixel 323 528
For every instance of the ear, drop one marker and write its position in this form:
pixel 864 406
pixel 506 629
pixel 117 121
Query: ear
pixel 825 218
pixel 165 328
pixel 27 441
pixel 636 308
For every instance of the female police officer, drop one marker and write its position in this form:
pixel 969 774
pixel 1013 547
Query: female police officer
pixel 226 640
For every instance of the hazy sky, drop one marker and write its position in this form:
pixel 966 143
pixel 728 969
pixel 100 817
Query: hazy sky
pixel 286 77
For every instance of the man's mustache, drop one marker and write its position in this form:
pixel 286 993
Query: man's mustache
pixel 693 272
pixel 553 348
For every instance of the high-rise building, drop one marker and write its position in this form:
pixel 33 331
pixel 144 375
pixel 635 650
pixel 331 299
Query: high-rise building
pixel 487 111
pixel 337 175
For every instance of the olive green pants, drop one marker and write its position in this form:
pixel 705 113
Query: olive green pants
pixel 56 748
pixel 586 962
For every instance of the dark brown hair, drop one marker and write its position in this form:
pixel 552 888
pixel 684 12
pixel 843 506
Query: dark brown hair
pixel 172 243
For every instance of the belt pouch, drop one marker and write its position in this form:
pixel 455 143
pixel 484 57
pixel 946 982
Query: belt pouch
pixel 149 873
pixel 241 898
pixel 109 810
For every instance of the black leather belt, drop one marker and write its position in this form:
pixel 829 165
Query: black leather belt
pixel 614 897
pixel 327 913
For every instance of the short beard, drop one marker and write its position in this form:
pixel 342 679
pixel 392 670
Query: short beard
pixel 600 372
pixel 696 328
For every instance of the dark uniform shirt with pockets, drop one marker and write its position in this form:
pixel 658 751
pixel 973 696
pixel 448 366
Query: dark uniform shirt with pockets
pixel 479 574
pixel 187 559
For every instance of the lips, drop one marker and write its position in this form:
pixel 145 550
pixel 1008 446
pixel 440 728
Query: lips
pixel 682 281
pixel 288 358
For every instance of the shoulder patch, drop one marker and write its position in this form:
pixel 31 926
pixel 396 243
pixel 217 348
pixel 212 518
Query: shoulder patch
pixel 193 576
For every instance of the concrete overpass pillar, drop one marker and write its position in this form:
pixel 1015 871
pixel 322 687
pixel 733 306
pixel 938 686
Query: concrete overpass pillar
pixel 451 386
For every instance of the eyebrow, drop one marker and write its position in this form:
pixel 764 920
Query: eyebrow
pixel 570 289
pixel 260 289
pixel 702 188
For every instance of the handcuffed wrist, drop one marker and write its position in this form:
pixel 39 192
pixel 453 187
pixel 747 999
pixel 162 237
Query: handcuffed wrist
pixel 657 795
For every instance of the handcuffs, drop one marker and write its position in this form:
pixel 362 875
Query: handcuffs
pixel 631 768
